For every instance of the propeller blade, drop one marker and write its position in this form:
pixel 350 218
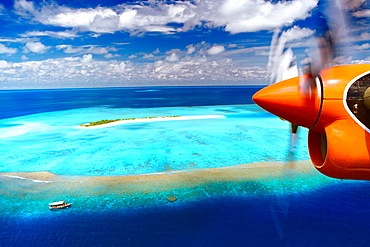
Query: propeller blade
pixel 293 137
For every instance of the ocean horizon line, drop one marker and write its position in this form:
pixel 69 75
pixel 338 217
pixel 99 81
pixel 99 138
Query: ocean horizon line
pixel 138 87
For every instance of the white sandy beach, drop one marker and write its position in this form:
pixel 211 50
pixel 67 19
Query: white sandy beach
pixel 156 119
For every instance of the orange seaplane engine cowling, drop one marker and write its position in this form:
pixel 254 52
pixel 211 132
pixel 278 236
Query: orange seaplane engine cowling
pixel 335 107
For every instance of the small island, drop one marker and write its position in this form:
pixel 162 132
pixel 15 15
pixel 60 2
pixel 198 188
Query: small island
pixel 101 122
pixel 110 123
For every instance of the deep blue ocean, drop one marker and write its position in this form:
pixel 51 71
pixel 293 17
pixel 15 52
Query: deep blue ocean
pixel 335 214
pixel 23 102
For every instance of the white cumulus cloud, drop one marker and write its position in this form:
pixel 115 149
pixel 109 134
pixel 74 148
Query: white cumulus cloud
pixel 110 55
pixel 216 49
pixel 191 49
pixel 363 46
pixel 93 49
pixel 87 58
pixel 172 58
pixel 155 16
pixel 87 72
pixel 7 50
pixel 69 48
pixel 99 50
pixel 108 20
pixel 35 47
pixel 24 7
pixel 4 64
pixel 297 33
pixel 255 15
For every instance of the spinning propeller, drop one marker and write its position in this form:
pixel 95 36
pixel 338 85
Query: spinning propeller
pixel 302 101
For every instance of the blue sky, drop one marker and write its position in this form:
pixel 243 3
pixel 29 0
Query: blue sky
pixel 91 43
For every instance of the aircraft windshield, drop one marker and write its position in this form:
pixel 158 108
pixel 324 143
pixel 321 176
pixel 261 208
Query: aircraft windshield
pixel 358 99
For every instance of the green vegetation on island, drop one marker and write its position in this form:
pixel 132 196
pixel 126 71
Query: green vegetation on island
pixel 116 120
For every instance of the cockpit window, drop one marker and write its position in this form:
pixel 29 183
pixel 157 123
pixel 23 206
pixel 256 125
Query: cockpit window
pixel 358 99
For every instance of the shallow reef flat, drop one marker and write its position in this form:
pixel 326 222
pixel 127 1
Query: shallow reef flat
pixel 27 193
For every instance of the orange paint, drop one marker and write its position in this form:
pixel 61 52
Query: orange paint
pixel 339 138
pixel 284 100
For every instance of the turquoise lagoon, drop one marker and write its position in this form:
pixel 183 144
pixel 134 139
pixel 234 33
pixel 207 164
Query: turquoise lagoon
pixel 52 141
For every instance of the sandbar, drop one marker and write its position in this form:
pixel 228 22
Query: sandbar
pixel 33 190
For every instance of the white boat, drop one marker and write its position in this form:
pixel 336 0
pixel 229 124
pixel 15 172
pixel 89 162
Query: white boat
pixel 59 205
